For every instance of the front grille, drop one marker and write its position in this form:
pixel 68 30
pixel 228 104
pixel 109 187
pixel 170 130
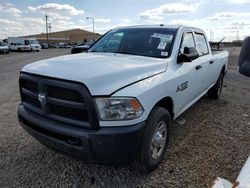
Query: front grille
pixel 31 100
pixel 64 93
pixel 65 101
pixel 77 114
pixel 30 85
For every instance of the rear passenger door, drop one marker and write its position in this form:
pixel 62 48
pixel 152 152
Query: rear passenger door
pixel 204 58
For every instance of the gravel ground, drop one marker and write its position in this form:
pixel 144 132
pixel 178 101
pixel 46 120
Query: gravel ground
pixel 215 141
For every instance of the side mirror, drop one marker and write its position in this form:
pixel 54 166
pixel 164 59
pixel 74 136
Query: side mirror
pixel 188 55
pixel 244 61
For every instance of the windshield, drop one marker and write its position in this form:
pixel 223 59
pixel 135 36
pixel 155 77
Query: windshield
pixel 2 44
pixel 151 42
pixel 33 42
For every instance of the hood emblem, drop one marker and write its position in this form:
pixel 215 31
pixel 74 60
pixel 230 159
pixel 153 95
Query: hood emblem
pixel 42 98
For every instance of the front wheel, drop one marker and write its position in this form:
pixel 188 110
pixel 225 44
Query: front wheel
pixel 215 91
pixel 156 138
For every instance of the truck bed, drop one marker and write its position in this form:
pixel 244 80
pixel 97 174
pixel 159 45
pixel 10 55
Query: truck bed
pixel 217 51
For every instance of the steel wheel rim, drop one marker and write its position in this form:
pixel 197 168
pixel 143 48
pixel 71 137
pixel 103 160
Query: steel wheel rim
pixel 159 140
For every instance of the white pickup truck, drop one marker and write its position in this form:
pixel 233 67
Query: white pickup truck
pixel 115 103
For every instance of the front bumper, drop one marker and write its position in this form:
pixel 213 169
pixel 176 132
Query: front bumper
pixel 109 145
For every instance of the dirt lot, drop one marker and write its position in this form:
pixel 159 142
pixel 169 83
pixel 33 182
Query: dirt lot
pixel 215 141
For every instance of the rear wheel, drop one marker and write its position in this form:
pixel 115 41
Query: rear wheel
pixel 155 139
pixel 215 91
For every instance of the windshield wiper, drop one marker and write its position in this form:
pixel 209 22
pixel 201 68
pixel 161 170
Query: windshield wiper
pixel 118 52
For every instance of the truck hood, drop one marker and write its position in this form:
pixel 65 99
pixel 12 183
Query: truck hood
pixel 102 73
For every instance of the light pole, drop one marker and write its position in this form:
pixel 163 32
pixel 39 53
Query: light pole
pixel 93 23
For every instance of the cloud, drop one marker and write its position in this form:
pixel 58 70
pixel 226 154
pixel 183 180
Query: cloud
pixel 82 21
pixel 228 15
pixel 125 20
pixel 237 25
pixel 183 22
pixel 238 1
pixel 157 14
pixel 102 20
pixel 7 22
pixel 55 7
pixel 10 9
pixel 222 15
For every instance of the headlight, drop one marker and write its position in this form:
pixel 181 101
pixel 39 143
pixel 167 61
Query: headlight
pixel 118 108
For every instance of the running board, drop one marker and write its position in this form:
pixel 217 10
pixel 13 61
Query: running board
pixel 180 120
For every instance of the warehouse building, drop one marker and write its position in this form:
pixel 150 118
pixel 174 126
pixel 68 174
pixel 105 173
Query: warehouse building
pixel 72 36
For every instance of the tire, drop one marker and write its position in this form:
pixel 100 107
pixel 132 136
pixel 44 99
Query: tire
pixel 19 49
pixel 215 92
pixel 150 156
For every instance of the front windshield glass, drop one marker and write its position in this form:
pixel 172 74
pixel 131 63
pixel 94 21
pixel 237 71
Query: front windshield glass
pixel 33 42
pixel 2 44
pixel 151 42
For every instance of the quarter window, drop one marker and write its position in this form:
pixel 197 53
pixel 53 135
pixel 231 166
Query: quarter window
pixel 201 44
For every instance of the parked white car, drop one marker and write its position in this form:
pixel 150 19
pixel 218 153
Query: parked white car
pixel 4 48
pixel 115 103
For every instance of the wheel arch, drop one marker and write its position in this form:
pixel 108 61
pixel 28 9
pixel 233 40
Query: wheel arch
pixel 168 104
pixel 223 70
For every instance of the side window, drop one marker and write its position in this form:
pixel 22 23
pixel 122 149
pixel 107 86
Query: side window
pixel 11 43
pixel 187 41
pixel 14 44
pixel 201 44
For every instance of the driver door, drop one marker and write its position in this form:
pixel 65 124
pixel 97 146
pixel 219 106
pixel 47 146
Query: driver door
pixel 192 74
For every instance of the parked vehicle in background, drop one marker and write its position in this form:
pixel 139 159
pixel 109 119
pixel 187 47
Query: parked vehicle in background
pixel 26 44
pixel 64 45
pixel 16 44
pixel 4 48
pixel 53 46
pixel 44 45
pixel 82 47
pixel 32 42
pixel 115 104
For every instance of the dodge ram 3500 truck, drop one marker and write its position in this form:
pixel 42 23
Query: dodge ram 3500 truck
pixel 115 103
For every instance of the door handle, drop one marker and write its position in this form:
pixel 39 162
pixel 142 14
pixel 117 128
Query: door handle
pixel 198 67
pixel 211 62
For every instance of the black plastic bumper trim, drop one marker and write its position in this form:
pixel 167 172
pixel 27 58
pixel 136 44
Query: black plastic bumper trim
pixel 109 145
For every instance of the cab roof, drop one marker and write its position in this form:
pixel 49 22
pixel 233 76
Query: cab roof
pixel 177 27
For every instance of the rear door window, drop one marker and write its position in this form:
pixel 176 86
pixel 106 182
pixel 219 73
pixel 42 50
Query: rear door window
pixel 201 44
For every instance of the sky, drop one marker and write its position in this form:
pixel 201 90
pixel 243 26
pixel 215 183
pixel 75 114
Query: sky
pixel 219 18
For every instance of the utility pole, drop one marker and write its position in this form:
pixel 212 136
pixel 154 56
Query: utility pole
pixel 47 35
pixel 93 23
pixel 49 31
pixel 237 35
